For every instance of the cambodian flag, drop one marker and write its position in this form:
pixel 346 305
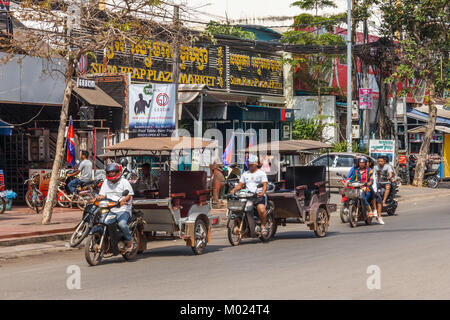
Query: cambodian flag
pixel 228 154
pixel 250 144
pixel 70 144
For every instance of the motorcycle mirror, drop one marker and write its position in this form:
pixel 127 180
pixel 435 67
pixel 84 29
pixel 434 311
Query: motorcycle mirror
pixel 260 185
pixel 125 193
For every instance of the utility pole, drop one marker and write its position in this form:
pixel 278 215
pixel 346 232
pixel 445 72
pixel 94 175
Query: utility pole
pixel 349 75
pixel 175 64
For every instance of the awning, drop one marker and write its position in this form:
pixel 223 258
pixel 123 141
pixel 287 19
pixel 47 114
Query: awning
pixel 5 128
pixel 422 129
pixel 421 116
pixel 96 97
pixel 162 144
pixel 289 146
pixel 189 92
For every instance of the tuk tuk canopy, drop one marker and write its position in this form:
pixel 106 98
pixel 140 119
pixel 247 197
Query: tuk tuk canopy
pixel 289 146
pixel 147 145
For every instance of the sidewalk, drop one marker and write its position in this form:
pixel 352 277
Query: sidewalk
pixel 22 226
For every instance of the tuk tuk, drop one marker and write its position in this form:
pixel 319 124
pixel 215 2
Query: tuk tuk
pixel 180 207
pixel 301 195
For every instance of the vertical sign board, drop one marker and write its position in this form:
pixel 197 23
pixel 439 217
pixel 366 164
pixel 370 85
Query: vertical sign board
pixel 365 99
pixel 151 110
pixel 384 148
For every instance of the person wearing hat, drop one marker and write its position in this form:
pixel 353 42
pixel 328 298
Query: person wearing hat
pixel 365 175
pixel 251 179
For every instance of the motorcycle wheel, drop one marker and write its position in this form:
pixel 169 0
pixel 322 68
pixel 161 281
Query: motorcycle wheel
pixel 432 182
pixel 344 213
pixel 79 234
pixel 92 253
pixel 132 255
pixel 270 222
pixel 322 223
pixel 391 212
pixel 201 237
pixel 234 239
pixel 353 216
pixel 62 200
pixel 2 205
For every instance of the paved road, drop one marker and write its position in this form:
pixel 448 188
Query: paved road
pixel 412 251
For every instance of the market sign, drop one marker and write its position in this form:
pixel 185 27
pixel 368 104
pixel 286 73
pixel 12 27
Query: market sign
pixel 418 137
pixel 382 148
pixel 216 66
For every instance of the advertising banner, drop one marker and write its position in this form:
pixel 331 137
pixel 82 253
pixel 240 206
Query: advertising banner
pixel 382 147
pixel 151 110
pixel 365 98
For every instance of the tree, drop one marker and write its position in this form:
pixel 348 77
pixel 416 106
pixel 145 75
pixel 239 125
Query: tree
pixel 425 26
pixel 69 30
pixel 215 28
pixel 313 67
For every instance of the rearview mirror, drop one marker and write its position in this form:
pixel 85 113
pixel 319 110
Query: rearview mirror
pixel 260 185
pixel 125 193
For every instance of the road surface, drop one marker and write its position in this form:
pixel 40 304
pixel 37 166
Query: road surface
pixel 410 255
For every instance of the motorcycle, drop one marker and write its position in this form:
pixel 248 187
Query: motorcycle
pixel 84 226
pixel 345 203
pixel 243 219
pixel 391 203
pixel 85 192
pixel 431 177
pixel 356 194
pixel 107 239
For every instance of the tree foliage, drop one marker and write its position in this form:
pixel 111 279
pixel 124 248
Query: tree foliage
pixel 215 28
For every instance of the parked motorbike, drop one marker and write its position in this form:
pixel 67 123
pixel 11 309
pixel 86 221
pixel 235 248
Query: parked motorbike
pixel 107 239
pixel 355 194
pixel 431 177
pixel 243 219
pixel 85 192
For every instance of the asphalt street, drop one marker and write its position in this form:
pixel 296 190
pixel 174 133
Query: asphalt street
pixel 410 255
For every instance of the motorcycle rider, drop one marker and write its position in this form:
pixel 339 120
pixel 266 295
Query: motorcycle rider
pixel 384 173
pixel 112 188
pixel 252 179
pixel 85 168
pixel 365 175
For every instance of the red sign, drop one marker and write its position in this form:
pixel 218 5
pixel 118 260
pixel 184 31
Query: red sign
pixel 162 99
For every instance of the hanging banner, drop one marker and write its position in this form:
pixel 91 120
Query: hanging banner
pixel 382 148
pixel 365 98
pixel 151 110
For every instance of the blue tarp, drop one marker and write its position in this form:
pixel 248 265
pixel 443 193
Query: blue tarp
pixel 5 128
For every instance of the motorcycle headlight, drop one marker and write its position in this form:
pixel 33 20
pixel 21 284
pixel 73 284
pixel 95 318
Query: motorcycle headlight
pixel 104 211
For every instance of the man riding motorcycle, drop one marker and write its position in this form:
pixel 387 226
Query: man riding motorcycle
pixel 112 188
pixel 384 173
pixel 251 179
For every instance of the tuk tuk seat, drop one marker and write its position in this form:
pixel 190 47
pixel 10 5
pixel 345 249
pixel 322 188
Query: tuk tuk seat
pixel 191 184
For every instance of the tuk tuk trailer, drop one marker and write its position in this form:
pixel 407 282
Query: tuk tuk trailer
pixel 180 206
pixel 300 196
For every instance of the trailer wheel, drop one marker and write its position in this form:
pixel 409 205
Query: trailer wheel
pixel 321 223
pixel 200 236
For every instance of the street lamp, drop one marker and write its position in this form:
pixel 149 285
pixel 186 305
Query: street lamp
pixel 349 75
